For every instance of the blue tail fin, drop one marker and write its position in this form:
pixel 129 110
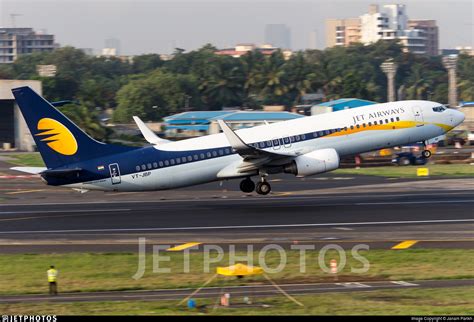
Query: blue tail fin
pixel 58 139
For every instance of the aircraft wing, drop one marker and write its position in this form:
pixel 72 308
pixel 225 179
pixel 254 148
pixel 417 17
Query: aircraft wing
pixel 148 134
pixel 254 158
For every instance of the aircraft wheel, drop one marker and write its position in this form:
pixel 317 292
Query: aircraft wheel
pixel 426 154
pixel 263 188
pixel 247 185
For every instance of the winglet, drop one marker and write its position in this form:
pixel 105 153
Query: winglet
pixel 234 140
pixel 148 134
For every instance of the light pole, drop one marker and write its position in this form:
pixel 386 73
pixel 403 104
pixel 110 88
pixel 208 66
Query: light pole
pixel 450 63
pixel 389 67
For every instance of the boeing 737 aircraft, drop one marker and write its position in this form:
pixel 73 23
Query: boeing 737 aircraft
pixel 303 147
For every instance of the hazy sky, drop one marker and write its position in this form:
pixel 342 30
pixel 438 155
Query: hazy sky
pixel 158 26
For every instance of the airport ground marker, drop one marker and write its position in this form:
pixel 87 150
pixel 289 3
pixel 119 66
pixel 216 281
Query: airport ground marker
pixel 405 244
pixel 182 247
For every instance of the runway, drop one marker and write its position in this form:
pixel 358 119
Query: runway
pixel 437 213
pixel 236 291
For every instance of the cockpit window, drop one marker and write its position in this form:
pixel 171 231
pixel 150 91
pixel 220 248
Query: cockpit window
pixel 439 108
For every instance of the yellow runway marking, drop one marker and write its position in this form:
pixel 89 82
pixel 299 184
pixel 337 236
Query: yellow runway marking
pixel 182 247
pixel 23 191
pixel 406 244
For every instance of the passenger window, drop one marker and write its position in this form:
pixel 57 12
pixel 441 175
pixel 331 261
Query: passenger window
pixel 190 158
pixel 370 123
pixel 183 159
pixel 172 162
pixel 275 142
pixel 208 154
pixel 303 137
pixel 352 127
pixel 386 121
pixel 160 163
pixel 221 152
pixel 375 122
pixel 392 120
pixel 196 157
pixel 202 155
pixel 155 165
pixel 315 134
pixel 167 163
pixel 321 133
pixel 269 144
pixel 178 160
pixel 214 153
pixel 137 168
pixel 227 151
pixel 398 119
pixel 345 128
pixel 363 125
pixel 358 126
pixel 262 145
pixel 143 167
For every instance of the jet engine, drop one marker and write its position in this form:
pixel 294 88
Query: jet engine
pixel 315 162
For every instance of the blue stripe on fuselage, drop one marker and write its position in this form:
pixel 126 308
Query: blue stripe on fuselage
pixel 151 158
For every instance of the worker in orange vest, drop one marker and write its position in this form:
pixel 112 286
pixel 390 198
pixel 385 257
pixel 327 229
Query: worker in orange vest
pixel 53 280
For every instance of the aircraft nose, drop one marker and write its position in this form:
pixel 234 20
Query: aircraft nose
pixel 458 117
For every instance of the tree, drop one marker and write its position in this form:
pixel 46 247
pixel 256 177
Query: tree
pixel 154 96
pixel 224 85
pixel 86 119
pixel 146 63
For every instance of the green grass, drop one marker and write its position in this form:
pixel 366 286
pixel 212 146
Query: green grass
pixel 26 273
pixel 455 170
pixel 26 160
pixel 434 301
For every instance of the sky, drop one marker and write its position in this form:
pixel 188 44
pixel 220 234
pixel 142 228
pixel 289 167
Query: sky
pixel 159 26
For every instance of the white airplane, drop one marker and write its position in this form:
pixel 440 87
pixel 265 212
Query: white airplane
pixel 303 147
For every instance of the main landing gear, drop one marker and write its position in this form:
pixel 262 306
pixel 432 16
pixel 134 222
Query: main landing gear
pixel 262 187
pixel 426 153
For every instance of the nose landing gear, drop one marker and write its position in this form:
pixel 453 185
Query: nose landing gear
pixel 426 153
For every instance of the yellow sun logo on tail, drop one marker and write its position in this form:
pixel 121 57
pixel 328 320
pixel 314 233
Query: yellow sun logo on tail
pixel 57 136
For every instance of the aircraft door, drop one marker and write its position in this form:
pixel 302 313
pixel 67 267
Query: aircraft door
pixel 115 173
pixel 418 115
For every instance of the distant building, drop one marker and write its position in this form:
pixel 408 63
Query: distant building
pixel 466 50
pixel 339 105
pixel 431 33
pixel 18 41
pixel 241 49
pixel 342 32
pixel 278 35
pixel 388 23
pixel 313 40
pixel 113 44
pixel 200 123
pixel 14 133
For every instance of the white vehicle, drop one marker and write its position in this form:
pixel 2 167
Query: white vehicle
pixel 302 147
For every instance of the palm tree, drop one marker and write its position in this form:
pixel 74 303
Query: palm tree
pixel 273 85
pixel 224 86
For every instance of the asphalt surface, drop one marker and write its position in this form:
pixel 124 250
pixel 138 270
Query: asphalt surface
pixel 435 216
pixel 343 209
pixel 254 291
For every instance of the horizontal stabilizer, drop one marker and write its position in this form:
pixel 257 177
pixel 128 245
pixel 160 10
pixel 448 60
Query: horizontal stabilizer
pixel 148 134
pixel 30 170
pixel 60 172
